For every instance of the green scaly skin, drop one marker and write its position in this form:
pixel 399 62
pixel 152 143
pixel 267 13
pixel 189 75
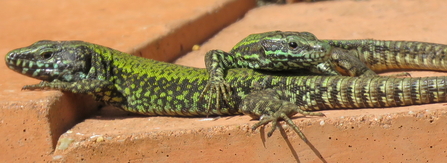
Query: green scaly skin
pixel 280 51
pixel 150 87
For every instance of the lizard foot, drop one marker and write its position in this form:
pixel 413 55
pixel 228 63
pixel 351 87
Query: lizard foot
pixel 267 106
pixel 281 115
pixel 402 74
pixel 275 117
pixel 217 88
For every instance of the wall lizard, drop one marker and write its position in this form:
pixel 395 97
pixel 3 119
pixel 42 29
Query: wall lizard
pixel 281 51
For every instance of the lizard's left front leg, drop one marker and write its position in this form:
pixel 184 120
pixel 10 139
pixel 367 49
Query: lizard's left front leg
pixel 103 91
pixel 82 86
pixel 218 62
pixel 343 62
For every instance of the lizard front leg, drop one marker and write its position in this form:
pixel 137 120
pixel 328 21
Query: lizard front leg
pixel 343 63
pixel 217 61
pixel 267 106
pixel 82 86
pixel 103 91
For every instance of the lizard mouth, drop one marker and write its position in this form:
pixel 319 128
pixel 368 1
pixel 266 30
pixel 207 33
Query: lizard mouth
pixel 35 69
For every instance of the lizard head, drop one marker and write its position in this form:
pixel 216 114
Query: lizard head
pixel 51 60
pixel 286 49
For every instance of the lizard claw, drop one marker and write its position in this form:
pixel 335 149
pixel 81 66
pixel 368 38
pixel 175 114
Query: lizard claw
pixel 265 120
pixel 281 115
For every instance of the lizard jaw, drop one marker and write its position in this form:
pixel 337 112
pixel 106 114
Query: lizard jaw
pixel 35 69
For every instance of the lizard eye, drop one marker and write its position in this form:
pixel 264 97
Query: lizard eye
pixel 293 45
pixel 46 55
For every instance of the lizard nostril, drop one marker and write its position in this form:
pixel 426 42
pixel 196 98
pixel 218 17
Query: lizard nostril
pixel 11 55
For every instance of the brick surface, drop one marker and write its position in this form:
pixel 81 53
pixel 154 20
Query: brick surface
pixel 403 134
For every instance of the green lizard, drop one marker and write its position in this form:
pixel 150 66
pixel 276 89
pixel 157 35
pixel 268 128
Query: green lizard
pixel 150 87
pixel 280 51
